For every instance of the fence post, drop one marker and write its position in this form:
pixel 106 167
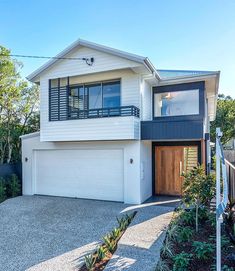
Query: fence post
pixel 219 218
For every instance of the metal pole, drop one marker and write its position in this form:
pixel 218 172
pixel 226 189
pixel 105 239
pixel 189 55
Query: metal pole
pixel 219 218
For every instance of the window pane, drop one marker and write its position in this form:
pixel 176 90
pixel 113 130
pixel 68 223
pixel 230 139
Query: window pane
pixel 76 98
pixel 176 103
pixel 54 83
pixel 95 96
pixel 111 94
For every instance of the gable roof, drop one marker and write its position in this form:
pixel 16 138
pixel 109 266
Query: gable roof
pixel 133 57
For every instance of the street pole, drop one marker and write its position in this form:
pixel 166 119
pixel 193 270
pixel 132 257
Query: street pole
pixel 219 217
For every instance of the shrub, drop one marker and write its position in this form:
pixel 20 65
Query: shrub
pixel 181 261
pixel 198 189
pixel 90 262
pixel 115 234
pixel 110 244
pixel 162 266
pixel 101 253
pixel 203 250
pixel 184 235
pixel 167 250
pixel 14 186
pixel 172 232
pixel 187 218
pixel 3 194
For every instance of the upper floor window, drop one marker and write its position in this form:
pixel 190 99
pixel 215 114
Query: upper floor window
pixel 94 96
pixel 176 103
pixel 179 100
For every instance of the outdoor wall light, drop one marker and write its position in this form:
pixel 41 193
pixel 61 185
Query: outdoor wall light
pixel 131 161
pixel 26 159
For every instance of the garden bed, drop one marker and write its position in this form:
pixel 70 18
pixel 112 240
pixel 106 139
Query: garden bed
pixel 187 250
pixel 97 260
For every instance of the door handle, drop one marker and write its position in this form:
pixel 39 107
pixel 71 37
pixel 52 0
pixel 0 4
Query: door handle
pixel 180 168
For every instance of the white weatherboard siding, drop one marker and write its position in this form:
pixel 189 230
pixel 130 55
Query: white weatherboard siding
pixel 146 100
pixel 100 170
pixel 93 174
pixel 145 170
pixel 102 62
pixel 93 129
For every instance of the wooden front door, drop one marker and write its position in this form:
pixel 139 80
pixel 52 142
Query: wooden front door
pixel 170 162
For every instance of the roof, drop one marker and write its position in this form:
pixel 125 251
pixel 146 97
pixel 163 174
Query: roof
pixel 133 57
pixel 169 74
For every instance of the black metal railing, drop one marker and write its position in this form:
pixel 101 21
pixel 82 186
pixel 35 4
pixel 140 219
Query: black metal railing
pixel 104 112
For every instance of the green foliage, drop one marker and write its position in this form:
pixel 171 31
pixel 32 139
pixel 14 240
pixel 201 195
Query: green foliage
pixel 187 218
pixel 101 253
pixel 225 118
pixel 19 105
pixel 124 221
pixel 90 262
pixel 167 250
pixel 115 233
pixel 198 189
pixel 14 186
pixel 162 265
pixel 181 261
pixel 110 243
pixel 184 234
pixel 173 232
pixel 3 194
pixel 203 250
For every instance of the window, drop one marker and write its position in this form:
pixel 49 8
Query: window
pixel 111 94
pixel 76 98
pixel 94 96
pixel 176 103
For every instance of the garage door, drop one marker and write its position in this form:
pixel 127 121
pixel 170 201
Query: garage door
pixel 93 174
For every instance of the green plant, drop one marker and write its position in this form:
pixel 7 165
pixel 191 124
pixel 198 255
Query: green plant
pixel 167 250
pixel 203 250
pixel 115 234
pixel 3 194
pixel 198 189
pixel 181 261
pixel 109 243
pixel 187 217
pixel 162 265
pixel 173 232
pixel 184 234
pixel 122 223
pixel 101 253
pixel 14 186
pixel 90 262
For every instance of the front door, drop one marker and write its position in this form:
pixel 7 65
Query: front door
pixel 170 162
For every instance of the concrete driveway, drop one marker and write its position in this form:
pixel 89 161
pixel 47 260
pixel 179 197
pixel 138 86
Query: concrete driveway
pixel 50 233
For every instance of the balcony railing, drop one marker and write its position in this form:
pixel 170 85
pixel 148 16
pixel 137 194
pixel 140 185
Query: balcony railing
pixel 104 112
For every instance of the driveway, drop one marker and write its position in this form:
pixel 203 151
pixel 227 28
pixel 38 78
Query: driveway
pixel 52 233
pixel 40 233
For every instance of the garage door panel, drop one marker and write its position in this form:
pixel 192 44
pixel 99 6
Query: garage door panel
pixel 94 174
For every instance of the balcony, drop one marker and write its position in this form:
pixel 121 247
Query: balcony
pixel 121 111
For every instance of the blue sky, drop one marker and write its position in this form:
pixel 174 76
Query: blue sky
pixel 174 34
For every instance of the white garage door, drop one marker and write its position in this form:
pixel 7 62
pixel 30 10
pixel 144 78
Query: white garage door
pixel 93 174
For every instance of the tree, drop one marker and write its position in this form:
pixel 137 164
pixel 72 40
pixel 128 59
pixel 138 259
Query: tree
pixel 198 189
pixel 18 107
pixel 225 118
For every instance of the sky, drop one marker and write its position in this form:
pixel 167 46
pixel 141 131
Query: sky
pixel 173 34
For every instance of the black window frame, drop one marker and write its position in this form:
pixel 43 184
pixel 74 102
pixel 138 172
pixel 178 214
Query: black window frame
pixel 181 87
pixel 86 89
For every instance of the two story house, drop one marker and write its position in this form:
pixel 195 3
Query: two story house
pixel 113 127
